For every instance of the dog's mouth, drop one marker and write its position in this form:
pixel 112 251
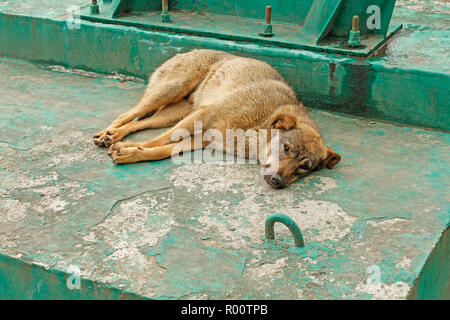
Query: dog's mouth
pixel 275 181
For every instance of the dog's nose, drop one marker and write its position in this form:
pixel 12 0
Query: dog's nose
pixel 276 181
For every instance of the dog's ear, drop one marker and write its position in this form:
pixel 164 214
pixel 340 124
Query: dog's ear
pixel 332 159
pixel 285 122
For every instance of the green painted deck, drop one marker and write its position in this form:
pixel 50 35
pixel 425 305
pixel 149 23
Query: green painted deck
pixel 166 231
pixel 159 230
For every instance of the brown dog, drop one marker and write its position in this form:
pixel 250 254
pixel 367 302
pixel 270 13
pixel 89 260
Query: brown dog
pixel 222 91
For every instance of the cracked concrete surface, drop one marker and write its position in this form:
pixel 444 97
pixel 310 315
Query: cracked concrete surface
pixel 196 230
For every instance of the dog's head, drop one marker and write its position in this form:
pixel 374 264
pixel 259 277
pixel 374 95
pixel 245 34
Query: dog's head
pixel 300 151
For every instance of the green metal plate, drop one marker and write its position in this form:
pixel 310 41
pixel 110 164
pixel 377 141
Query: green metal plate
pixel 311 36
pixel 161 230
pixel 386 204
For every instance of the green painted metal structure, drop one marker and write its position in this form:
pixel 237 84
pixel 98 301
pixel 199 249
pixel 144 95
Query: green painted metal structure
pixel 64 203
pixel 433 282
pixel 21 280
pixel 372 88
pixel 160 230
pixel 318 25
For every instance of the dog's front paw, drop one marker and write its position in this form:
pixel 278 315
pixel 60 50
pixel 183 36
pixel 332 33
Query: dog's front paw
pixel 112 136
pixel 115 147
pixel 108 137
pixel 127 155
pixel 99 138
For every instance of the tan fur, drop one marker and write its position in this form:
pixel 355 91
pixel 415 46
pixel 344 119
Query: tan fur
pixel 222 91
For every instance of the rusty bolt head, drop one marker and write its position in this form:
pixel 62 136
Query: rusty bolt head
pixel 269 15
pixel 355 23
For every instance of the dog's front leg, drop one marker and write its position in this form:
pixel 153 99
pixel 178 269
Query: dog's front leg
pixel 138 153
pixel 184 128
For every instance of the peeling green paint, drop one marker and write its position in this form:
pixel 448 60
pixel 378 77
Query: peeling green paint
pixel 23 281
pixel 157 230
pixel 372 88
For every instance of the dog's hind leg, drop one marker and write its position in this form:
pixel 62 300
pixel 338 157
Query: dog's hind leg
pixel 156 97
pixel 165 117
pixel 170 83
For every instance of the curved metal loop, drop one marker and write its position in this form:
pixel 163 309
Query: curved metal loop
pixel 289 223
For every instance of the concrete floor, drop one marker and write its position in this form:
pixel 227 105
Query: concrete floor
pixel 161 230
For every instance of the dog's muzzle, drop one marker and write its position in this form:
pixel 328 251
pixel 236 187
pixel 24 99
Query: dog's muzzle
pixel 275 181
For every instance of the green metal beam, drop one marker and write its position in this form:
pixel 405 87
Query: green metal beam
pixel 318 25
pixel 372 88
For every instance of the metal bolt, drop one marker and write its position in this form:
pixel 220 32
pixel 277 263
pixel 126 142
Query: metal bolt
pixel 94 7
pixel 165 16
pixel 355 24
pixel 354 40
pixel 268 23
pixel 269 15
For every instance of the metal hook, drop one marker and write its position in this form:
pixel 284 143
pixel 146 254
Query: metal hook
pixel 289 223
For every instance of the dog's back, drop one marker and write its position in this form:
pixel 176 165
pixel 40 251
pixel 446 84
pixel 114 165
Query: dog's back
pixel 233 73
pixel 247 90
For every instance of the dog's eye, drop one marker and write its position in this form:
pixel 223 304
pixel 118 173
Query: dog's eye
pixel 286 148
pixel 304 167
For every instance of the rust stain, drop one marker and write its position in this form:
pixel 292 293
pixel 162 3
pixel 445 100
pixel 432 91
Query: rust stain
pixel 332 78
